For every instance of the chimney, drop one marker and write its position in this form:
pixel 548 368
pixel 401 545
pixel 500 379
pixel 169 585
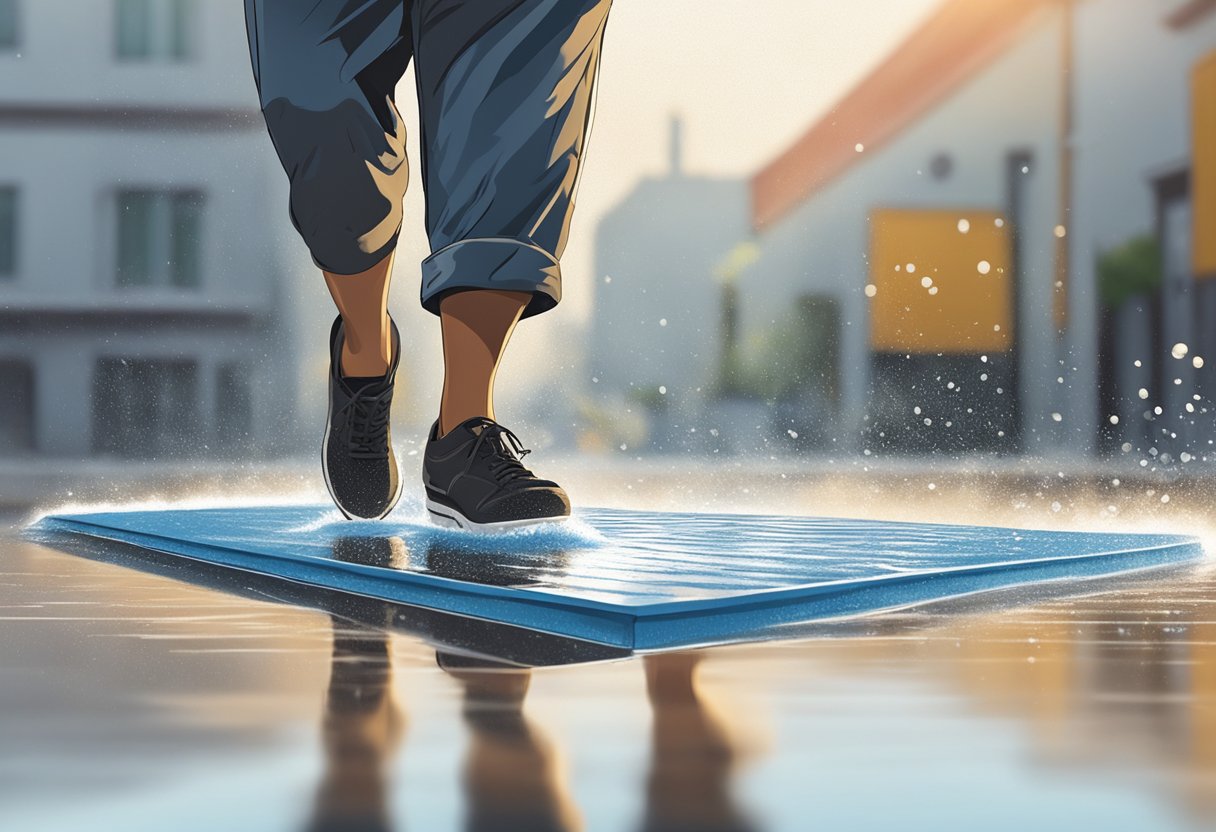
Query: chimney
pixel 675 142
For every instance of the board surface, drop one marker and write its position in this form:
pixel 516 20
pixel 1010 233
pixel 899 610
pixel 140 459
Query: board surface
pixel 633 579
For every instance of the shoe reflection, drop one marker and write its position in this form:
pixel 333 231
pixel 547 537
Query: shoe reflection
pixel 475 563
pixel 693 759
pixel 385 552
pixel 511 770
pixel 361 728
pixel 512 775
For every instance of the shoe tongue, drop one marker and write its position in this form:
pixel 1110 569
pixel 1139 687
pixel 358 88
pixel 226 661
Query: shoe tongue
pixel 357 384
pixel 496 439
pixel 477 425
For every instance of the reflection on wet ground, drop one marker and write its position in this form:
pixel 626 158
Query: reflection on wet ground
pixel 135 693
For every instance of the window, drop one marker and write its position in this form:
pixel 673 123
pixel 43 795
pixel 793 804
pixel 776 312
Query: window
pixel 158 238
pixel 233 408
pixel 153 29
pixel 144 407
pixel 8 231
pixel 16 407
pixel 8 24
pixel 1189 12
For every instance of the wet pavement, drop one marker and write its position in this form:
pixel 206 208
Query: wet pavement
pixel 138 695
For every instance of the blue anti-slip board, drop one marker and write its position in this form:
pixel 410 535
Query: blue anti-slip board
pixel 633 579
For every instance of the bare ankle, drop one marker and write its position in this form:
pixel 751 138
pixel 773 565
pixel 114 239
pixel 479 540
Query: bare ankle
pixel 365 364
pixel 448 424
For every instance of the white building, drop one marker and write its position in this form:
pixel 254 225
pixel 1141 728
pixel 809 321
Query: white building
pixel 944 157
pixel 953 207
pixel 1145 168
pixel 146 265
pixel 656 334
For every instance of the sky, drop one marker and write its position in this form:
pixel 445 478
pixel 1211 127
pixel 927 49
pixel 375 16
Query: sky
pixel 745 78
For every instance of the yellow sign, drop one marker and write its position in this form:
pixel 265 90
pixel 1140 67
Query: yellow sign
pixel 939 282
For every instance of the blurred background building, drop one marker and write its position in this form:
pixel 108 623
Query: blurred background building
pixel 1000 240
pixel 142 310
pixel 656 335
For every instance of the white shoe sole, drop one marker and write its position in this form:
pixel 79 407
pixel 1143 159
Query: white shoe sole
pixel 450 518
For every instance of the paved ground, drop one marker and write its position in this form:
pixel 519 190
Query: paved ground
pixel 136 700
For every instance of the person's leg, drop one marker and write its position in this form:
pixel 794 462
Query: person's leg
pixel 476 326
pixel 362 301
pixel 505 90
pixel 326 71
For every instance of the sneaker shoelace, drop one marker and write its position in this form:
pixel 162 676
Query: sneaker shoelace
pixel 505 452
pixel 367 424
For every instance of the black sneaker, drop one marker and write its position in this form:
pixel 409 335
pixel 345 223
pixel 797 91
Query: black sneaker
pixel 474 480
pixel 357 457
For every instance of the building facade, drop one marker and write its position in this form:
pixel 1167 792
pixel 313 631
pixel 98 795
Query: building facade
pixel 656 339
pixel 1145 187
pixel 145 308
pixel 923 205
pixel 967 208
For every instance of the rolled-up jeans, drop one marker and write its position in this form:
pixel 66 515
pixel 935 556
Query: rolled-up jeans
pixel 505 93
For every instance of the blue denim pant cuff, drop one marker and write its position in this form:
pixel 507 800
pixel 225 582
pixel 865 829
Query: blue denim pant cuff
pixel 493 263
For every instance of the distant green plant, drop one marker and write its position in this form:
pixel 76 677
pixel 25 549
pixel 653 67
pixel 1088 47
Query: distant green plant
pixel 1131 269
pixel 650 398
pixel 797 352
